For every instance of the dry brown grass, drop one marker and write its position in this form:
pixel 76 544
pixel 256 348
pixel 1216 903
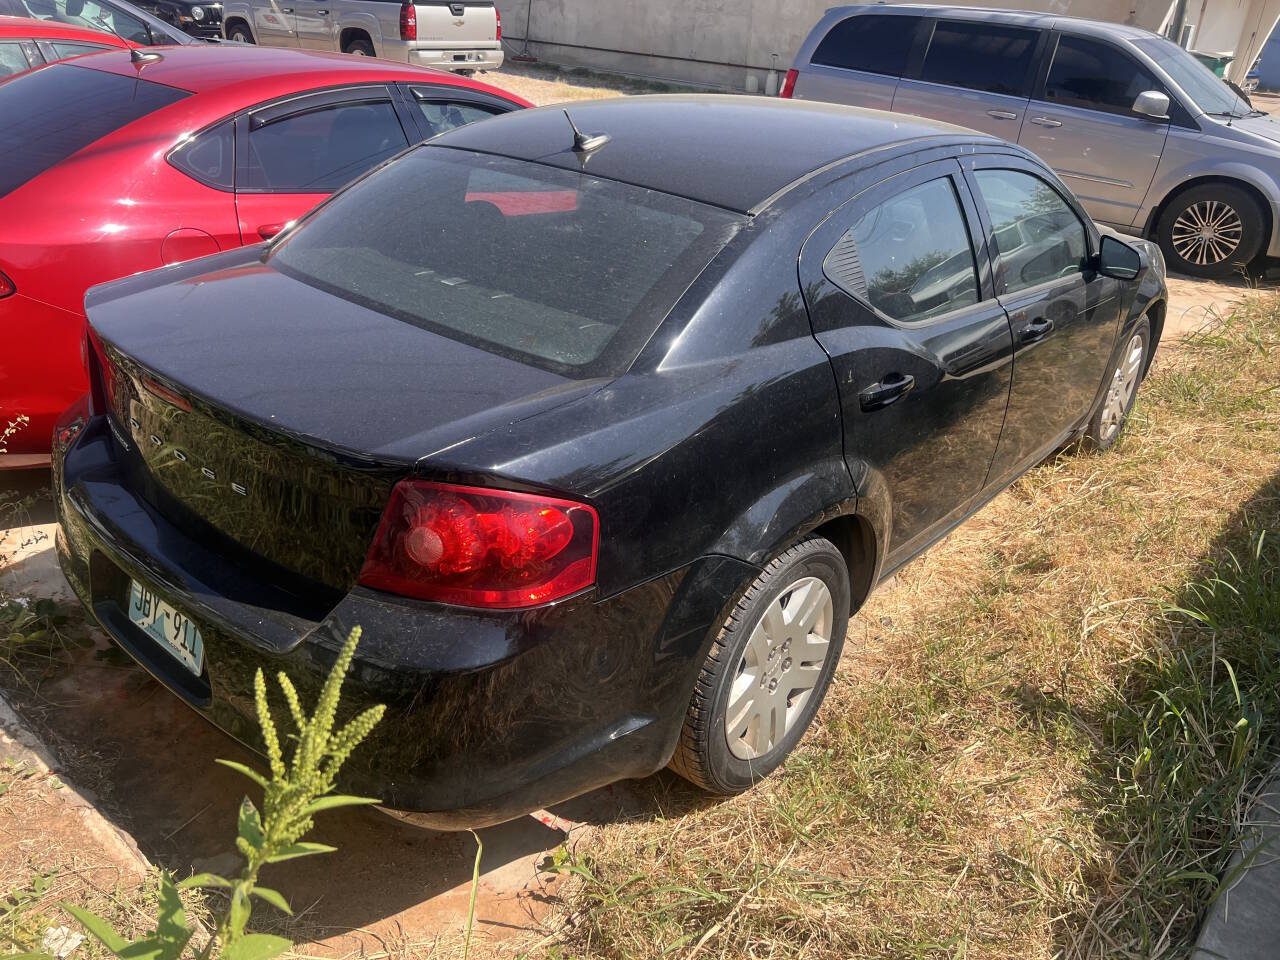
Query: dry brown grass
pixel 976 785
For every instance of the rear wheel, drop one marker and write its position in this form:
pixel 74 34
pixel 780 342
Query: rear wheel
pixel 768 670
pixel 1212 231
pixel 240 33
pixel 359 46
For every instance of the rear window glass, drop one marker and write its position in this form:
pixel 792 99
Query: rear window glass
pixel 873 43
pixel 553 267
pixel 47 115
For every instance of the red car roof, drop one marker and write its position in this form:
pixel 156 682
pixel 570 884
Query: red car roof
pixel 31 28
pixel 252 73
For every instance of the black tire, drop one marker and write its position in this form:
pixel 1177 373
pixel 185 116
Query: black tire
pixel 359 46
pixel 1251 231
pixel 1104 429
pixel 240 32
pixel 703 755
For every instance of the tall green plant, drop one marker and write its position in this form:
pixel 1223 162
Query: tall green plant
pixel 293 793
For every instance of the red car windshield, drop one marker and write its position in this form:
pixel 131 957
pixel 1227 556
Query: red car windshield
pixel 47 115
pixel 563 270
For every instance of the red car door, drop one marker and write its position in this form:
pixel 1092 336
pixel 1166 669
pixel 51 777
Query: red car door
pixel 292 155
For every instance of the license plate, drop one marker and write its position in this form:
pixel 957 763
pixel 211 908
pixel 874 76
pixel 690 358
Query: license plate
pixel 171 628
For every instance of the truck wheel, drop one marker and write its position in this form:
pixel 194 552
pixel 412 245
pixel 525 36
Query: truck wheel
pixel 359 46
pixel 240 32
pixel 768 669
pixel 1212 231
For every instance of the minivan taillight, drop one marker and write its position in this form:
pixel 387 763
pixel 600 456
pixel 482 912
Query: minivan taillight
pixel 789 84
pixel 7 289
pixel 498 13
pixel 476 547
pixel 408 22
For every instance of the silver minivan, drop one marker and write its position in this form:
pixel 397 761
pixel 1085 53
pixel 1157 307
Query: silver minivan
pixel 1150 140
pixel 465 36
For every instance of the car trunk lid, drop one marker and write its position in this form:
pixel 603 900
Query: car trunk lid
pixel 284 430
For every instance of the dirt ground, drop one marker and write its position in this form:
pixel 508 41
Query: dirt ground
pixel 146 761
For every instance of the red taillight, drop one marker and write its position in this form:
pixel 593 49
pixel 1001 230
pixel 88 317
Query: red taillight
pixel 788 84
pixel 408 22
pixel 476 547
pixel 7 289
pixel 497 13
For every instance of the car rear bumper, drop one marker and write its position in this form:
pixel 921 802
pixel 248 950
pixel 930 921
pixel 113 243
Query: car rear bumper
pixel 445 57
pixel 489 714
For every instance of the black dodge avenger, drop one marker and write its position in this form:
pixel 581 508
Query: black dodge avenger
pixel 600 423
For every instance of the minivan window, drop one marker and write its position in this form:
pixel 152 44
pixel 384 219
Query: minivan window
pixel 47 115
pixel 1039 238
pixel 1095 75
pixel 431 240
pixel 915 253
pixel 980 56
pixel 874 43
pixel 1197 81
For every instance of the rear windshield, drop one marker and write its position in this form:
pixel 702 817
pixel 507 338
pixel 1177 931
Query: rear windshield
pixel 553 267
pixel 47 115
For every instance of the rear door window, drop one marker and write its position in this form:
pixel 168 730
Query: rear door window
pixel 874 43
pixel 555 268
pixel 322 149
pixel 1097 76
pixel 910 257
pixel 12 59
pixel 980 56
pixel 47 115
pixel 209 157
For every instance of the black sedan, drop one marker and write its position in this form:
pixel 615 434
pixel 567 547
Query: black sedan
pixel 601 424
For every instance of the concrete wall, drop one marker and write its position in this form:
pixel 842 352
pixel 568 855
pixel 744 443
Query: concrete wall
pixel 720 43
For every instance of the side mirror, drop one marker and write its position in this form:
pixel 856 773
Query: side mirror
pixel 1117 259
pixel 1153 104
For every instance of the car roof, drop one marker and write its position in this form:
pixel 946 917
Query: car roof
pixel 736 152
pixel 244 69
pixel 1025 18
pixel 53 30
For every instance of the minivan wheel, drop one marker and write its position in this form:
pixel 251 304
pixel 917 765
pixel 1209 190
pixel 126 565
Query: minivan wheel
pixel 240 33
pixel 1212 231
pixel 359 47
pixel 768 669
pixel 1109 419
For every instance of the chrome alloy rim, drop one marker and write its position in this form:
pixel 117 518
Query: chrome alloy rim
pixel 1120 392
pixel 779 668
pixel 1207 232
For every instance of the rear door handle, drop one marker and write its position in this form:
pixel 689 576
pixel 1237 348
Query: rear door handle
pixel 1037 330
pixel 1002 114
pixel 1046 122
pixel 890 389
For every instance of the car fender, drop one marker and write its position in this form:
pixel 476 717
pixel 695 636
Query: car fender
pixel 1170 181
pixel 236 9
pixel 354 20
pixel 800 503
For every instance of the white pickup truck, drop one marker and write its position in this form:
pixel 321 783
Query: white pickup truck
pixel 463 36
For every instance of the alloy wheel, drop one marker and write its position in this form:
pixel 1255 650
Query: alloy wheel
pixel 1207 232
pixel 1120 391
pixel 779 668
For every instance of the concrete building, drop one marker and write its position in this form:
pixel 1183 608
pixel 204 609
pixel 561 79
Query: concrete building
pixel 733 44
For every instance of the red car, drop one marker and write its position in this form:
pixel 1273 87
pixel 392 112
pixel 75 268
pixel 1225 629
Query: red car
pixel 122 162
pixel 26 42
